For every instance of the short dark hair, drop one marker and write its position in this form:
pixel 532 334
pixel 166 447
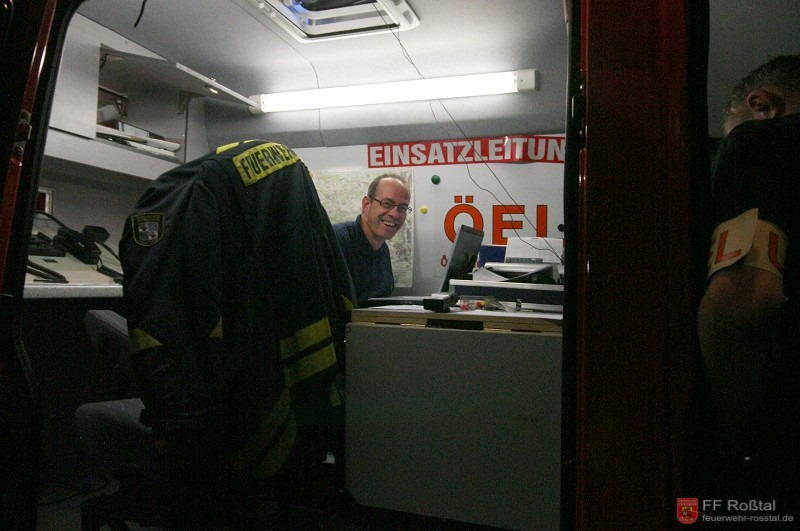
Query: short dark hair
pixel 782 72
pixel 373 186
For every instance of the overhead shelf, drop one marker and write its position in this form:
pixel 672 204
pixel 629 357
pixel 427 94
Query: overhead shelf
pixel 124 72
pixel 72 154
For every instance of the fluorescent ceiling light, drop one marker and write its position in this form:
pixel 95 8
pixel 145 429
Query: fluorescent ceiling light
pixel 400 91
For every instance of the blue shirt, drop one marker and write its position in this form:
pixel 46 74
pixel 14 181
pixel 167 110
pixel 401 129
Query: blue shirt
pixel 370 270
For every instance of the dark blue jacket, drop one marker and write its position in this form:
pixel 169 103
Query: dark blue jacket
pixel 236 296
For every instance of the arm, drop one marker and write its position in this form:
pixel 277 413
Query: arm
pixel 738 325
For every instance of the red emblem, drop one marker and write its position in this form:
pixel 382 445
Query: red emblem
pixel 687 510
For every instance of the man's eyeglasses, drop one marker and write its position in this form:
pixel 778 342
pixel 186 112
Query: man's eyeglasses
pixel 388 204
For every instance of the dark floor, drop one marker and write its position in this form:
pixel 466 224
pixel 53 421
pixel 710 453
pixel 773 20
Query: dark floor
pixel 61 497
pixel 71 373
pixel 65 484
pixel 71 474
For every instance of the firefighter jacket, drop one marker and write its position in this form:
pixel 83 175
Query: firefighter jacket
pixel 236 296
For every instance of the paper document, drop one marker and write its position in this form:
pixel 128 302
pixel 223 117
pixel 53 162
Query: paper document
pixel 482 274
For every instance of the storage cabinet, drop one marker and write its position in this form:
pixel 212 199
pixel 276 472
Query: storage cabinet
pixel 155 96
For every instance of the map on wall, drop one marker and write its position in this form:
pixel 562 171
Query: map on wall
pixel 341 192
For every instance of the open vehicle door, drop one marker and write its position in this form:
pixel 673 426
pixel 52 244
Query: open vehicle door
pixel 27 66
pixel 636 169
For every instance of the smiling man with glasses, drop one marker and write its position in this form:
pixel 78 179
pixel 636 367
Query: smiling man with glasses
pixel 363 241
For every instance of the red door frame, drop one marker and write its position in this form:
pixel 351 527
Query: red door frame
pixel 32 34
pixel 14 182
pixel 633 252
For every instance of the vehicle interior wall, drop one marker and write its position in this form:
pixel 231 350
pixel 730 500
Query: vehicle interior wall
pixel 507 43
pixel 272 61
pixel 256 59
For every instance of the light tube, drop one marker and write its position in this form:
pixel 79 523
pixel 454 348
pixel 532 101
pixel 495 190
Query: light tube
pixel 400 91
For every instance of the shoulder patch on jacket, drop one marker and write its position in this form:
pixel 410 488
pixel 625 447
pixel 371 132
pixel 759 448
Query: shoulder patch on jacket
pixel 147 229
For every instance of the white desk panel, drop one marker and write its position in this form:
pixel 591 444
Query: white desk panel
pixel 456 424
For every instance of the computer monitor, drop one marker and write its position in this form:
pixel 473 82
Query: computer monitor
pixel 463 255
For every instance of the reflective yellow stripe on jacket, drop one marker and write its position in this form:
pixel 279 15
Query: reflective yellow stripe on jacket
pixel 267 449
pixel 308 352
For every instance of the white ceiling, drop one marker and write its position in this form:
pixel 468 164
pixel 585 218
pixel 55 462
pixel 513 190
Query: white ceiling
pixel 220 40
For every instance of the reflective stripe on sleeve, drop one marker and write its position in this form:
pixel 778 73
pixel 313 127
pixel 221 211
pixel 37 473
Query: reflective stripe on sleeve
pixel 266 450
pixel 217 331
pixel 309 365
pixel 348 304
pixel 140 340
pixel 308 352
pixel 305 338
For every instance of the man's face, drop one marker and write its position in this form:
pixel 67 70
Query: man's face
pixel 381 223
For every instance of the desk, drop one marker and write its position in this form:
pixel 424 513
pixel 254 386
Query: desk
pixel 68 369
pixel 84 280
pixel 456 424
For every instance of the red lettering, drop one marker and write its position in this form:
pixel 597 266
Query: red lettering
pixel 517 148
pixel 463 208
pixel 773 251
pixel 541 221
pixel 721 255
pixel 500 224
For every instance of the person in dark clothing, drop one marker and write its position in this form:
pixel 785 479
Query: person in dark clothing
pixel 748 316
pixel 236 296
pixel 363 241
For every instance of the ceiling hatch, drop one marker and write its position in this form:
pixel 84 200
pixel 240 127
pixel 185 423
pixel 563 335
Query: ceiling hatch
pixel 314 20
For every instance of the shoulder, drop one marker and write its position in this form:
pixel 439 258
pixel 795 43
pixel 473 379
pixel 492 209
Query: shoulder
pixel 260 148
pixel 343 227
pixel 757 152
pixel 346 232
pixel 767 135
pixel 348 229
